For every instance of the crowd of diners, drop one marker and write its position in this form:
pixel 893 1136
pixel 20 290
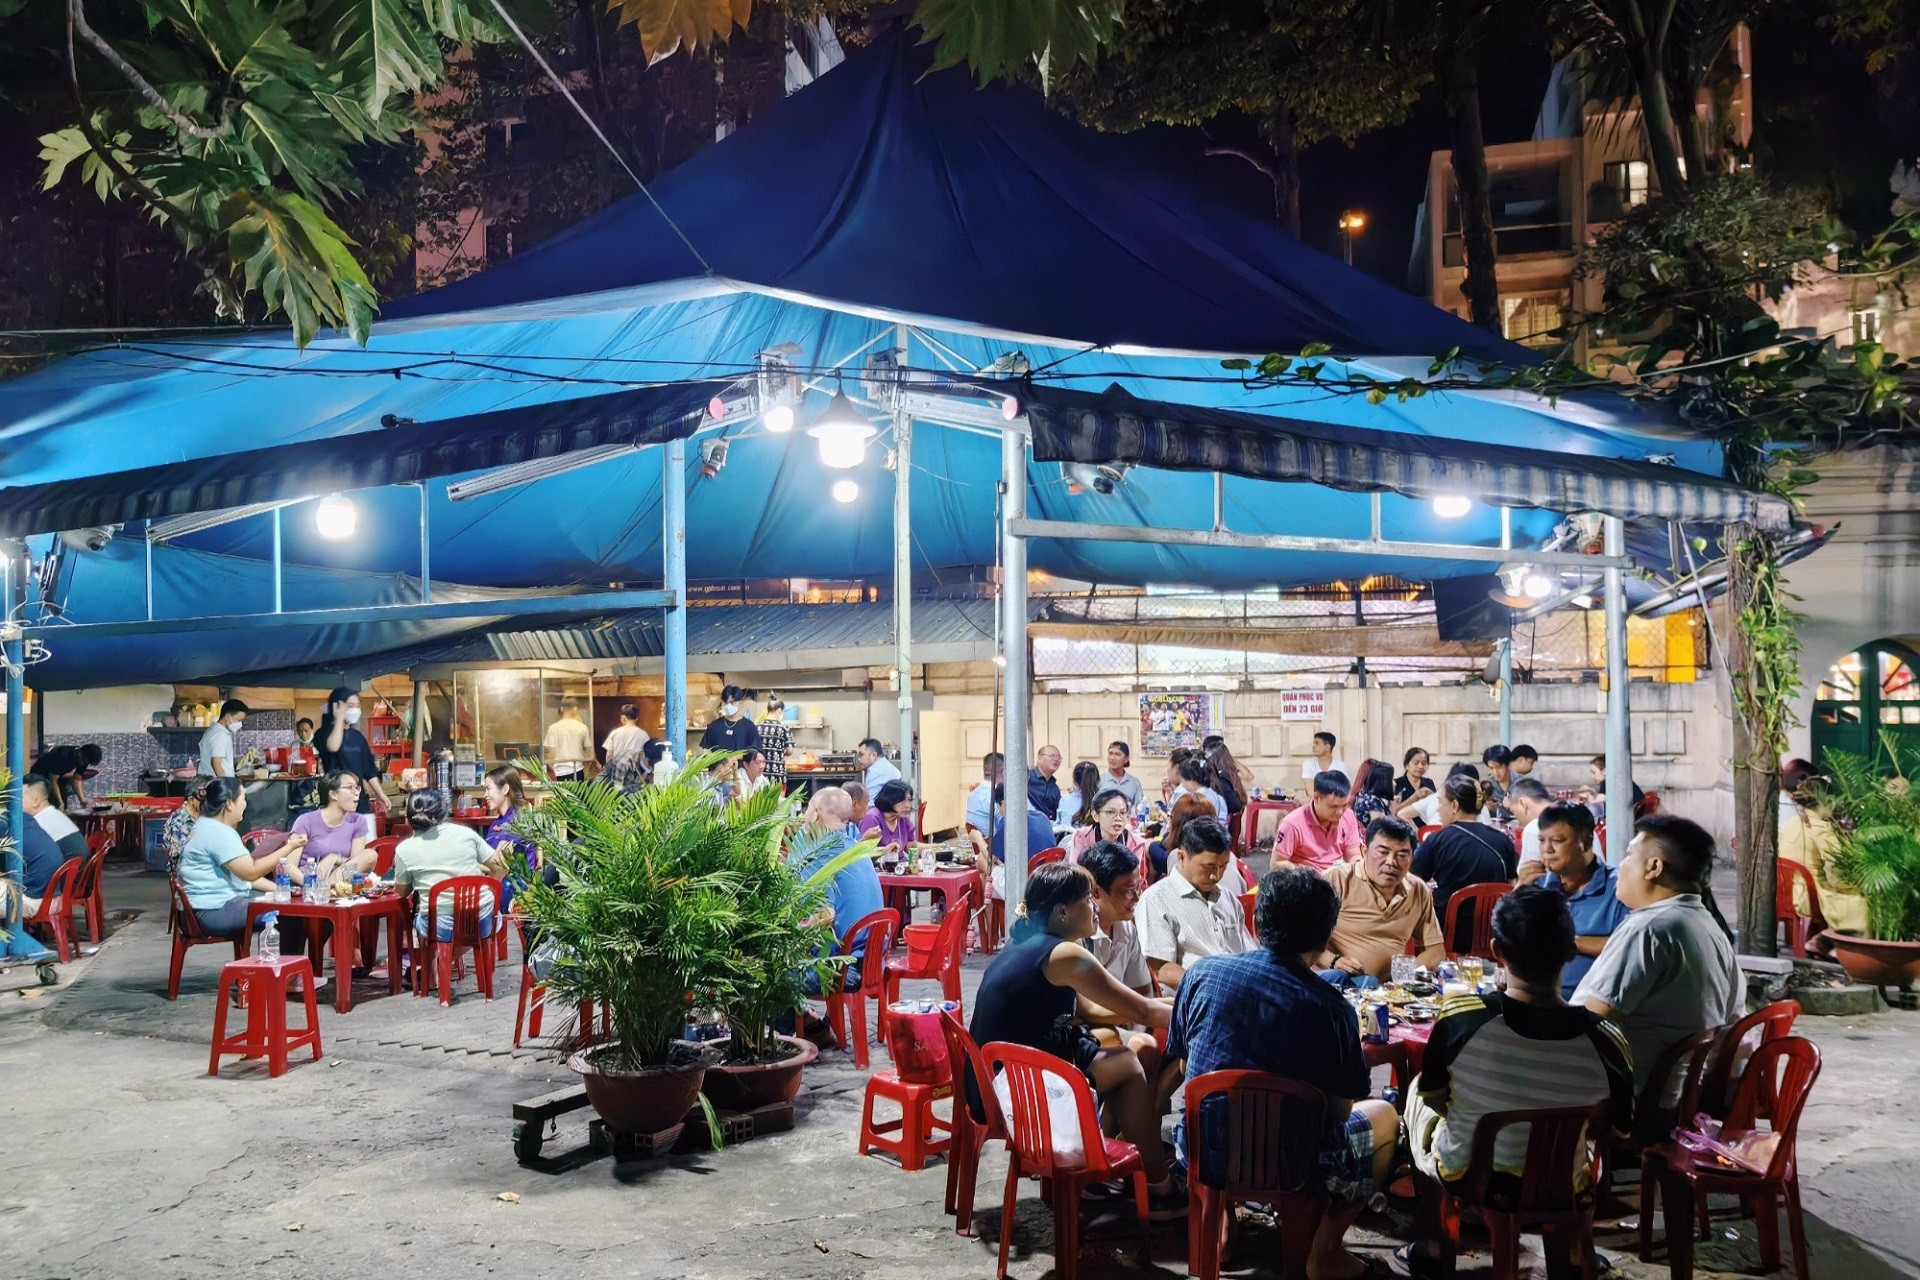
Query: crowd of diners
pixel 1132 940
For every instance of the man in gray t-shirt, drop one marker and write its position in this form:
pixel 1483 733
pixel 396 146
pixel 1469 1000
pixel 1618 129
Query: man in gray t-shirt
pixel 1668 971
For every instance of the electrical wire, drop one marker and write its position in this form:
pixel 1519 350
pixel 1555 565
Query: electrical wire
pixel 606 142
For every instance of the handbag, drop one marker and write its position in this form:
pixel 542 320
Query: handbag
pixel 1071 1041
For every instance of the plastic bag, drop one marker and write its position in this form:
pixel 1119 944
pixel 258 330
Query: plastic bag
pixel 1063 1117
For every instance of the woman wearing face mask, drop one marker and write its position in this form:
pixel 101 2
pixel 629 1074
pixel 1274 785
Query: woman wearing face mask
pixel 343 748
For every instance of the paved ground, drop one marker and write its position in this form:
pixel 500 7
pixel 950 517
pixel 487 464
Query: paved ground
pixel 122 1157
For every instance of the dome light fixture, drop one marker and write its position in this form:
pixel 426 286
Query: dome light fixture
pixel 1538 586
pixel 845 491
pixel 335 517
pixel 843 432
pixel 1451 506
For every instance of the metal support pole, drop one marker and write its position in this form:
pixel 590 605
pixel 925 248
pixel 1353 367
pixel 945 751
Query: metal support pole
pixel 1506 692
pixel 419 723
pixel 15 651
pixel 426 550
pixel 1013 631
pixel 1219 501
pixel 1619 724
pixel 148 540
pixel 903 592
pixel 673 541
pixel 276 564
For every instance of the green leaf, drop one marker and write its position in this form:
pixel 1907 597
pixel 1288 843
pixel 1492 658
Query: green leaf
pixel 1313 349
pixel 299 261
pixel 1237 364
pixel 383 46
pixel 58 150
pixel 996 37
pixel 1376 395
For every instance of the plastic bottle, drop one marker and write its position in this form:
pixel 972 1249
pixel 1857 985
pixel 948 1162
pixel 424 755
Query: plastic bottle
pixel 282 884
pixel 311 885
pixel 270 941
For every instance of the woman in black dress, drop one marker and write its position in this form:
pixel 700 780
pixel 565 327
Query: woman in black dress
pixel 341 745
pixel 1414 782
pixel 1042 978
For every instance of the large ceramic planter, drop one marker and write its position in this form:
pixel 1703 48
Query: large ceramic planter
pixel 760 1084
pixel 1878 964
pixel 650 1100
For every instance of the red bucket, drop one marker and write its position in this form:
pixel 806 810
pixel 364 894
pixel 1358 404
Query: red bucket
pixel 916 1043
pixel 920 939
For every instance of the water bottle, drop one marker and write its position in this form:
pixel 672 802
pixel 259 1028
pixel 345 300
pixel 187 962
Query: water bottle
pixel 270 942
pixel 282 884
pixel 311 888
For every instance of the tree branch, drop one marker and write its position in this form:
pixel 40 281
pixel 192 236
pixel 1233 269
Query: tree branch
pixel 77 20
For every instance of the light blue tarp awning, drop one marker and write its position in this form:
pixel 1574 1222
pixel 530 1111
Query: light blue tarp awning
pixel 879 208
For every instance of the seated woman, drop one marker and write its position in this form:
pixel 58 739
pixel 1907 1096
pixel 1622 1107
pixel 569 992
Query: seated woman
pixel 1464 852
pixel 337 832
pixel 440 850
pixel 1032 991
pixel 890 821
pixel 216 871
pixel 179 826
pixel 1184 810
pixel 1111 819
pixel 505 798
pixel 1372 791
pixel 1076 804
pixel 1806 837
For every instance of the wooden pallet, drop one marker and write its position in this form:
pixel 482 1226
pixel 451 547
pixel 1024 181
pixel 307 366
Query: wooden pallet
pixel 532 1117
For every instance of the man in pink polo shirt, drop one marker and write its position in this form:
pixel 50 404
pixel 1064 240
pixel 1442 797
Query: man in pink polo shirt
pixel 1323 833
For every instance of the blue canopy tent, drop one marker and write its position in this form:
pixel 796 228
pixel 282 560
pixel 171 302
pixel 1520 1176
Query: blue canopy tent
pixel 883 209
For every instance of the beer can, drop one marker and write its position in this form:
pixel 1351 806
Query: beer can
pixel 1376 1021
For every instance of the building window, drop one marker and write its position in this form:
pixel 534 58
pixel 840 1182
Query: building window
pixel 1533 319
pixel 1628 178
pixel 499 243
pixel 1866 325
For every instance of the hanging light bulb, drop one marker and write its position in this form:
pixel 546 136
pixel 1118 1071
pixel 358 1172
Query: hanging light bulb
pixel 778 418
pixel 845 491
pixel 842 431
pixel 1538 586
pixel 335 517
pixel 1451 506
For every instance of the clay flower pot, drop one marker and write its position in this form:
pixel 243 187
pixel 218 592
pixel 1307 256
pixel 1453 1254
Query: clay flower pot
pixel 1876 963
pixel 745 1086
pixel 650 1100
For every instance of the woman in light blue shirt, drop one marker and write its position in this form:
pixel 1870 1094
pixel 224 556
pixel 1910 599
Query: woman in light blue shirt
pixel 215 870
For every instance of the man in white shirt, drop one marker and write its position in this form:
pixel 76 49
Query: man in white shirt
pixel 216 744
pixel 993 771
pixel 35 804
pixel 752 775
pixel 1527 799
pixel 1119 756
pixel 879 770
pixel 1190 912
pixel 625 748
pixel 568 744
pixel 1323 744
pixel 1116 942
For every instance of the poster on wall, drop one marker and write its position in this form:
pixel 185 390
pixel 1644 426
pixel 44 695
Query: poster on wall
pixel 1169 720
pixel 1303 704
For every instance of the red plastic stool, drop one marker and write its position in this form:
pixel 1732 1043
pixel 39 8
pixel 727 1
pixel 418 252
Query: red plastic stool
pixel 910 1139
pixel 263 986
pixel 533 1007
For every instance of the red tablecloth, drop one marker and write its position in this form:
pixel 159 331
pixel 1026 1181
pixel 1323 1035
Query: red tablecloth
pixel 346 920
pixel 1404 1051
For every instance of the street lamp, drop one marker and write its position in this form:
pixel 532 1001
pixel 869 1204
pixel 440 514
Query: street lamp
pixel 1352 223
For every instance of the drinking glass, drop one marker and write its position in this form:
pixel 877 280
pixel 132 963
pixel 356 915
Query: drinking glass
pixel 1403 968
pixel 1471 968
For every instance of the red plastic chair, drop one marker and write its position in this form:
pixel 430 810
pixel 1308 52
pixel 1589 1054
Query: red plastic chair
pixel 970 1133
pixel 1274 1126
pixel 1250 822
pixel 383 848
pixel 88 898
pixel 1057 853
pixel 100 841
pixel 268 836
pixel 1654 1116
pixel 1552 1199
pixel 1030 1150
pixel 1736 1046
pixel 55 916
pixel 871 938
pixel 1478 901
pixel 1787 875
pixel 1774 1087
pixel 1426 831
pixel 533 1007
pixel 1248 902
pixel 468 907
pixel 188 932
pixel 942 962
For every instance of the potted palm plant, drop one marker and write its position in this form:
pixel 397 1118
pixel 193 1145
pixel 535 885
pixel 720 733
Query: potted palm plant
pixel 1876 821
pixel 781 932
pixel 645 911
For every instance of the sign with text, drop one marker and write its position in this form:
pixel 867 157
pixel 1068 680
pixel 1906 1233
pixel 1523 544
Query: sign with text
pixel 1303 704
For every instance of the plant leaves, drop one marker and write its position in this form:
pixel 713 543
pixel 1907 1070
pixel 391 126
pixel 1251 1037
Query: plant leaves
pixel 299 261
pixel 995 37
pixel 666 26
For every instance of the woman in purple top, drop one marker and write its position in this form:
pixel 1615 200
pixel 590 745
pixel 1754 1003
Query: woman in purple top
pixel 891 819
pixel 504 798
pixel 337 832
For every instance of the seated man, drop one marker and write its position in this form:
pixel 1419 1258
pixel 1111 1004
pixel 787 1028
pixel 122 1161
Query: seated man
pixel 1527 799
pixel 1572 870
pixel 1323 832
pixel 854 892
pixel 1524 1050
pixel 1668 971
pixel 42 858
pixel 1382 908
pixel 980 804
pixel 1189 913
pixel 1265 1010
pixel 1116 945
pixel 1039 836
pixel 36 802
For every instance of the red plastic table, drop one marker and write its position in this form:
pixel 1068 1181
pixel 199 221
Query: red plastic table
pixel 1404 1051
pixel 946 882
pixel 346 919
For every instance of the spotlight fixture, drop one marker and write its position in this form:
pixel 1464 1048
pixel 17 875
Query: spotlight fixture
pixel 1102 479
pixel 335 517
pixel 713 457
pixel 777 387
pixel 845 491
pixel 1537 586
pixel 1451 506
pixel 843 432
